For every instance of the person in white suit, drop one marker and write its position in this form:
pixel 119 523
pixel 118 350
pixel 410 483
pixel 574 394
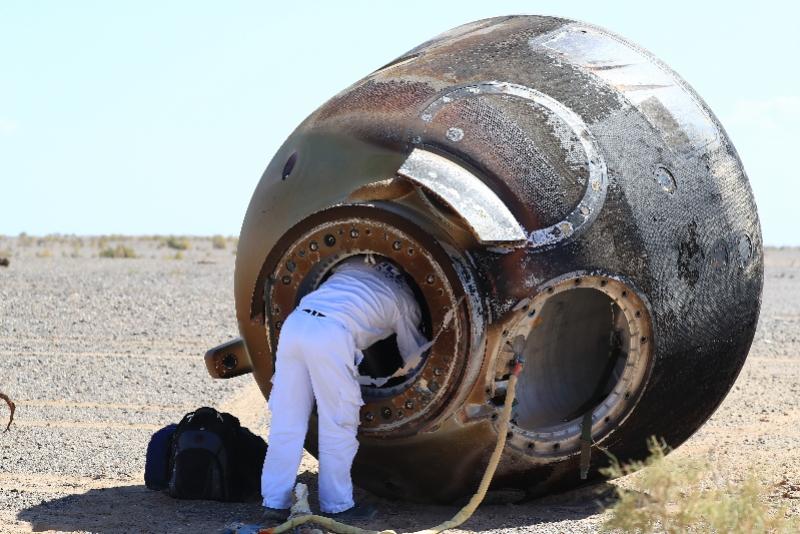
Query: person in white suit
pixel 319 349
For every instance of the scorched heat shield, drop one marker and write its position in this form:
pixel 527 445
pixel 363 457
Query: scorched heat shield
pixel 545 184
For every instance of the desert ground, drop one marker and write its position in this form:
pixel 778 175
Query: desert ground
pixel 100 352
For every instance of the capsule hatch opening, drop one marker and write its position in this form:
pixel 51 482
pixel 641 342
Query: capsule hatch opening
pixel 574 358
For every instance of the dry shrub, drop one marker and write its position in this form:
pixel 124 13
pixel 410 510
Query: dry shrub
pixel 120 251
pixel 219 242
pixel 177 243
pixel 675 497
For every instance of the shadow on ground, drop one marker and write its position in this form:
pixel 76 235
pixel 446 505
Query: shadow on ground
pixel 137 509
pixel 133 509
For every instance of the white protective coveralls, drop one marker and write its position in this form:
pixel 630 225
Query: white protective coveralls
pixel 317 358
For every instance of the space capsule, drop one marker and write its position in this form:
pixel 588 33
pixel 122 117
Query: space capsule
pixel 541 182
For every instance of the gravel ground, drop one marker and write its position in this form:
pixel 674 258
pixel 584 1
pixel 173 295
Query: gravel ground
pixel 98 353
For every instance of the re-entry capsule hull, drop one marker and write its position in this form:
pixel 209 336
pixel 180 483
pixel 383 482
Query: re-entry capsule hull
pixel 543 183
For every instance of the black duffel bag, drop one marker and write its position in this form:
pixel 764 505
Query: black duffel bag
pixel 208 455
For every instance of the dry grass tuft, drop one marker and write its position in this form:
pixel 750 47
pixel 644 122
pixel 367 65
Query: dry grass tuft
pixel 219 242
pixel 120 251
pixel 177 243
pixel 673 497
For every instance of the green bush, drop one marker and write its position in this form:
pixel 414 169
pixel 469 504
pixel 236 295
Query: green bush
pixel 120 251
pixel 673 497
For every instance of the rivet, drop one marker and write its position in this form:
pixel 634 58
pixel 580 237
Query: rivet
pixel 549 289
pixel 330 240
pixel 411 252
pixel 437 371
pixel 400 413
pixel 397 245
pixel 577 281
pixel 278 325
pixel 368 416
pixel 532 313
pixel 531 445
pixel 509 435
pixel 409 404
pixel 386 412
pixel 638 313
pixel 434 386
pixel 353 233
pixel 642 339
pixel 430 279
pixel 624 294
pixel 313 246
pixel 286 279
pixel 291 266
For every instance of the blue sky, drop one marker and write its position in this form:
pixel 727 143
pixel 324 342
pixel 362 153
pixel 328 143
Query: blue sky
pixel 159 117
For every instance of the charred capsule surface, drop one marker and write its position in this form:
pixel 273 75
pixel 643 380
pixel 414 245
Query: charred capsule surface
pixel 549 188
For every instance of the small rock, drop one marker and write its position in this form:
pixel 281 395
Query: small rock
pixel 4 262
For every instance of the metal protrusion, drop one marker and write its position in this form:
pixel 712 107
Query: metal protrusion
pixel 586 444
pixel 484 213
pixel 518 347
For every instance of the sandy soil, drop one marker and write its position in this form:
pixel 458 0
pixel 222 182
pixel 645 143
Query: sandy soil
pixel 99 353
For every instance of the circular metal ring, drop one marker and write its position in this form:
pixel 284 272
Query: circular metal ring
pixel 317 244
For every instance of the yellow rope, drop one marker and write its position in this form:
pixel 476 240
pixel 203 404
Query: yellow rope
pixel 463 514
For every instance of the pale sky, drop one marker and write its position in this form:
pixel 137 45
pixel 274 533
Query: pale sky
pixel 157 117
